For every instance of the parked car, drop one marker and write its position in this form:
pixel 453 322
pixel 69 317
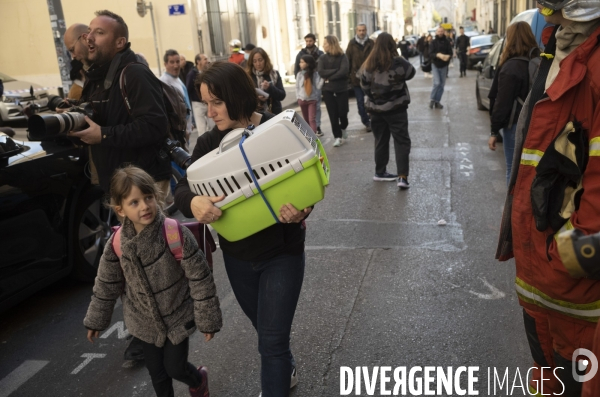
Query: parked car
pixel 17 94
pixel 52 220
pixel 480 47
pixel 490 63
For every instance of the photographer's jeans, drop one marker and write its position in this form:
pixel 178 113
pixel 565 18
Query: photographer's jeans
pixel 439 80
pixel 268 293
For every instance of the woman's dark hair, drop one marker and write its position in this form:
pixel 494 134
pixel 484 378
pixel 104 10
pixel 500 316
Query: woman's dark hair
pixel 230 83
pixel 268 65
pixel 381 56
pixel 311 65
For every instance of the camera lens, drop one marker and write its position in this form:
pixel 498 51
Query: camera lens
pixel 54 101
pixel 46 127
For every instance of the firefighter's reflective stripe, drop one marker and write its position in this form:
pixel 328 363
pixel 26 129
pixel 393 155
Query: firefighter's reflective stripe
pixel 531 157
pixel 567 226
pixel 583 311
pixel 595 147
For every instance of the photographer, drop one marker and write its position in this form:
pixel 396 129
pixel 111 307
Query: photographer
pixel 116 137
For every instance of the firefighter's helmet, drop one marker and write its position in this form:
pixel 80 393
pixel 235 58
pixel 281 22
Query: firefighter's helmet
pixel 573 10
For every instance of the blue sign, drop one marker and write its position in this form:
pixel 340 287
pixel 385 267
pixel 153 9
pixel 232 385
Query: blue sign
pixel 177 9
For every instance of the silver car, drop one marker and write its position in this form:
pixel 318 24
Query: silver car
pixel 18 94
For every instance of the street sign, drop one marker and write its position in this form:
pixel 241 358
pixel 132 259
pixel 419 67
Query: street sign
pixel 177 9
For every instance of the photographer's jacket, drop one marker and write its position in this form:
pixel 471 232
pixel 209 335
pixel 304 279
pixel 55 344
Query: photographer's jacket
pixel 127 139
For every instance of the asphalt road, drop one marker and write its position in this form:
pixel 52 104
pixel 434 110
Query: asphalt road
pixel 385 285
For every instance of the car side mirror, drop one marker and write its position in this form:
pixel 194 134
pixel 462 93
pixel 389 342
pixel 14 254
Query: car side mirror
pixel 8 148
pixel 478 66
pixel 488 72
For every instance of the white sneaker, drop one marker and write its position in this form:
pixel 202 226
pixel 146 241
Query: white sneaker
pixel 337 142
pixel 344 134
pixel 293 381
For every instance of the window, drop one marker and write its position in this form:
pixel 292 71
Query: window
pixel 351 23
pixel 214 27
pixel 312 18
pixel 333 18
pixel 244 22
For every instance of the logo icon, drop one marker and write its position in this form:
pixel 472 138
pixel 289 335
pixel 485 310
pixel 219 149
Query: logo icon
pixel 581 365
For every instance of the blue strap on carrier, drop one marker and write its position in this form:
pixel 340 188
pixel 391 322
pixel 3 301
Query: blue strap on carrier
pixel 244 136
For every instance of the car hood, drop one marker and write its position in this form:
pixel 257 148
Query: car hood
pixel 21 89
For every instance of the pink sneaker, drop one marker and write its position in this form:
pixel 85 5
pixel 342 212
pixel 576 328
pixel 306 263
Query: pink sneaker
pixel 202 390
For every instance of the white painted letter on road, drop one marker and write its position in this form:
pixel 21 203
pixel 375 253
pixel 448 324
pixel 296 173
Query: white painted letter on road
pixel 119 326
pixel 88 358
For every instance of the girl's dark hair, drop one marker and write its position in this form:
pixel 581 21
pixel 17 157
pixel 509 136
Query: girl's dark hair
pixel 268 65
pixel 381 56
pixel 124 179
pixel 311 65
pixel 230 83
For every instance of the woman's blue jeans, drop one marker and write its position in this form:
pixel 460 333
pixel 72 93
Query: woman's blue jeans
pixel 268 293
pixel 508 139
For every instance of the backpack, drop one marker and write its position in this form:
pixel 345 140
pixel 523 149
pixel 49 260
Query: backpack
pixel 534 60
pixel 173 236
pixel 175 107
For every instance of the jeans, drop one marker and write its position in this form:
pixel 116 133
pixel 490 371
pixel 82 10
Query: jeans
pixel 420 58
pixel 508 136
pixel 268 293
pixel 337 108
pixel 462 57
pixel 167 363
pixel 360 103
pixel 309 111
pixel 439 80
pixel 394 124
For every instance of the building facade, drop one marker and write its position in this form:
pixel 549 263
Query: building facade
pixel 198 26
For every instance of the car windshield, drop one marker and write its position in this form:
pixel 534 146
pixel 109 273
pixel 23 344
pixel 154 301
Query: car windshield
pixel 5 78
pixel 484 40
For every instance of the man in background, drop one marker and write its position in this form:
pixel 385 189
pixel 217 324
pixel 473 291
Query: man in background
pixel 463 43
pixel 359 48
pixel 171 77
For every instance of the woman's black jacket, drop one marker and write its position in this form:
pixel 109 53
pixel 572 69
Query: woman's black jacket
pixel 513 83
pixel 275 91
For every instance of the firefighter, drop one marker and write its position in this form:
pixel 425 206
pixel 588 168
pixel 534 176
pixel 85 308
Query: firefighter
pixel 554 187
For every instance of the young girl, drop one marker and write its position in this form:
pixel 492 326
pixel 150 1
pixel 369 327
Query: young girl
pixel 308 89
pixel 164 301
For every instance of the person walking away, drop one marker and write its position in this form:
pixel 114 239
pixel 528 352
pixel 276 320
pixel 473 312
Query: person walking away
pixel 426 66
pixel 403 46
pixel 308 89
pixel 141 264
pixel 358 50
pixel 554 187
pixel 171 77
pixel 513 87
pixel 266 269
pixel 421 47
pixel 463 44
pixel 312 50
pixel 450 37
pixel 440 52
pixel 203 122
pixel 267 79
pixel 383 78
pixel 333 68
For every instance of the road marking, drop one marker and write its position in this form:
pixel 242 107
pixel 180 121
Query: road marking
pixel 464 168
pixel 88 358
pixel 496 293
pixel 119 326
pixel 20 375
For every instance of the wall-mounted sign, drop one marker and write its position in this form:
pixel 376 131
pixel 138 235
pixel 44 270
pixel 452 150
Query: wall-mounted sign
pixel 177 9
